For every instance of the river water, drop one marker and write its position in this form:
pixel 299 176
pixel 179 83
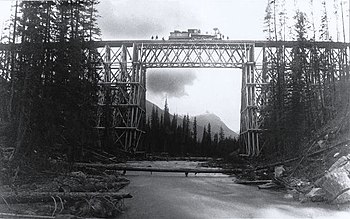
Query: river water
pixel 172 195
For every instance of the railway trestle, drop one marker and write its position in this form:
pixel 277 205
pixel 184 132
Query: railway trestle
pixel 123 64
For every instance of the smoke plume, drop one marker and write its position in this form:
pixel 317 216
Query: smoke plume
pixel 170 82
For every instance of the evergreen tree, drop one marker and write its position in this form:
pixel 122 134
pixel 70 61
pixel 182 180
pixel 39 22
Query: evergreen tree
pixel 209 150
pixel 324 31
pixel 154 129
pixel 269 21
pixel 282 17
pixel 204 142
pixel 194 136
pixel 221 134
pixel 301 26
pixel 209 134
pixel 195 129
pixel 215 144
pixel 298 86
pixel 166 115
pixel 53 92
pixel 174 122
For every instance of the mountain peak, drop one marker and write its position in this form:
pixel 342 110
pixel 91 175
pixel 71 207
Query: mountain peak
pixel 202 121
pixel 216 123
pixel 209 115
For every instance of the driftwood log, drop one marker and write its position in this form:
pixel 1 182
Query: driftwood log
pixel 182 158
pixel 89 187
pixel 34 197
pixel 270 185
pixel 125 168
pixel 253 182
pixel 31 216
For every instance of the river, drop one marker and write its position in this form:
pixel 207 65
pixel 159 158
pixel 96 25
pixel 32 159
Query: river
pixel 172 195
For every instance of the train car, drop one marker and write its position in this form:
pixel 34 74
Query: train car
pixel 191 34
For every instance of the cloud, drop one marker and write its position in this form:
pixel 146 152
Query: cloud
pixel 170 82
pixel 128 19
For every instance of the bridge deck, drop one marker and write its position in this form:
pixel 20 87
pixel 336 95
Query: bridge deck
pixel 256 43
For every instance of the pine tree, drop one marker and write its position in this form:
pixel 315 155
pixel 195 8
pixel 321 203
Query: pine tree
pixel 313 20
pixel 209 134
pixel 282 17
pixel 336 9
pixel 195 129
pixel 324 31
pixel 269 21
pixel 298 87
pixel 215 143
pixel 174 122
pixel 204 143
pixel 166 115
pixel 53 92
pixel 221 134
pixel 209 140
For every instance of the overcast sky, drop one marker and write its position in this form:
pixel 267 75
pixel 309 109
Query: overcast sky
pixel 189 91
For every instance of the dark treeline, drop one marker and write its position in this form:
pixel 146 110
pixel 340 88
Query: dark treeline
pixel 309 85
pixel 164 134
pixel 49 94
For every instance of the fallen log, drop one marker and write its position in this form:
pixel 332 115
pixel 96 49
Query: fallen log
pixel 253 182
pixel 166 157
pixel 347 141
pixel 34 197
pixel 270 185
pixel 187 158
pixel 151 169
pixel 11 215
pixel 93 187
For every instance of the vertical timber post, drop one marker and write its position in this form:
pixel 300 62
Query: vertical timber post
pixel 138 100
pixel 124 102
pixel 107 101
pixel 249 131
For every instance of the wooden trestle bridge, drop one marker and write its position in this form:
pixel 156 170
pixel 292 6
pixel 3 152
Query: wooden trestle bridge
pixel 124 64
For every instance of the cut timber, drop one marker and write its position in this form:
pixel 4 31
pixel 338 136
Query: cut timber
pixel 10 215
pixel 253 182
pixel 150 169
pixel 32 197
pixel 270 185
pixel 93 187
pixel 183 158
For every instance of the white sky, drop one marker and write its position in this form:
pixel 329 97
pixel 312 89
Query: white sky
pixel 213 90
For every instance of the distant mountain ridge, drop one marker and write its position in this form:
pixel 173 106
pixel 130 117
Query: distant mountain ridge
pixel 202 121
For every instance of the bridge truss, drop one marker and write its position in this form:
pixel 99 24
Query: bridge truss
pixel 123 65
pixel 124 68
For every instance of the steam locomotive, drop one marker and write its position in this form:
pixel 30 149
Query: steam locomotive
pixel 194 34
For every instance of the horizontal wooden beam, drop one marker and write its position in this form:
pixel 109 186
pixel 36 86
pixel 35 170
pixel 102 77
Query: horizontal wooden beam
pixel 125 168
pixel 256 43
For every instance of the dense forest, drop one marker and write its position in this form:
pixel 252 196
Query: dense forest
pixel 310 84
pixel 164 134
pixel 49 103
